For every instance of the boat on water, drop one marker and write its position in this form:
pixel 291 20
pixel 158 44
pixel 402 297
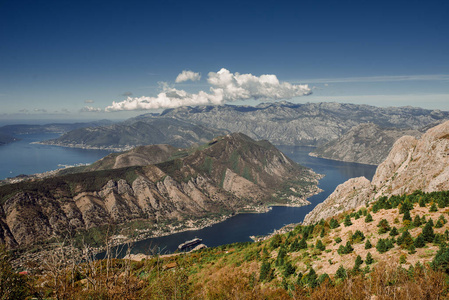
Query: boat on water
pixel 189 244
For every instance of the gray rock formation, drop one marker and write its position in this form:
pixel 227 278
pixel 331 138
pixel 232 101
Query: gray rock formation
pixel 412 164
pixel 366 143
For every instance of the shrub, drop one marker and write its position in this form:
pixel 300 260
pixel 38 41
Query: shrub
pixel 345 249
pixel 289 269
pixel 334 223
pixel 320 245
pixel 311 279
pixel 338 239
pixel 368 218
pixel 347 221
pixel 323 277
pixel 383 226
pixel 357 237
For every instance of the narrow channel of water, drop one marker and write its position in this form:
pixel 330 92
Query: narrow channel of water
pixel 240 227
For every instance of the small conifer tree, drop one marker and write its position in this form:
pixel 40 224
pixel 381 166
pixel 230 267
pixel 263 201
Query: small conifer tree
pixel 369 258
pixel 368 244
pixel 341 273
pixel 320 246
pixel 433 208
pixel 347 221
pixel 427 232
pixel 368 218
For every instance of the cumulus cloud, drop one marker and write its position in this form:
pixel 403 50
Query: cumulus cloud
pixel 40 110
pixel 89 101
pixel 90 109
pixel 187 75
pixel 225 87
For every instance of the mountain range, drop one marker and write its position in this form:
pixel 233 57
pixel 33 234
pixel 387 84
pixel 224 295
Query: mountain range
pixel 281 123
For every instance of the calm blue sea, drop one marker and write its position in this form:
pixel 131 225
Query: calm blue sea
pixel 23 157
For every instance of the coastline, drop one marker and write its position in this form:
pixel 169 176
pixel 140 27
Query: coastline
pixel 86 147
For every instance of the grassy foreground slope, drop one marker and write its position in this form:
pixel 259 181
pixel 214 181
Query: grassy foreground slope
pixel 394 249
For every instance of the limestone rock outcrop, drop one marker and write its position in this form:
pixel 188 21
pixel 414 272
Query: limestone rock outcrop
pixel 412 164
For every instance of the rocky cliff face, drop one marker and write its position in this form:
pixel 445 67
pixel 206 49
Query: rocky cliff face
pixel 412 164
pixel 366 143
pixel 228 174
pixel 281 123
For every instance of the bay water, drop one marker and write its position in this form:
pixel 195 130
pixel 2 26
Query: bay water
pixel 26 157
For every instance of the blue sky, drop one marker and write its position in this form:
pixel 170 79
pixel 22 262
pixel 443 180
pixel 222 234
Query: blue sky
pixel 73 59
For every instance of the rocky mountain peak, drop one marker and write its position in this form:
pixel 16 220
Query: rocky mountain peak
pixel 412 164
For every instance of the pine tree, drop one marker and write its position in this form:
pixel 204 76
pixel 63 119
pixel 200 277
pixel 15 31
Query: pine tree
pixel 394 231
pixel 417 221
pixel 427 232
pixel 405 240
pixel 341 273
pixel 368 244
pixel 323 232
pixel 441 260
pixel 369 258
pixel 265 271
pixel 320 246
pixel 439 224
pixel 302 244
pixel 419 241
pixel 333 223
pixel 358 262
pixel 312 278
pixel 281 256
pixel 433 208
pixel 347 221
pixel 407 216
pixel 368 218
pixel 289 269
pixel 381 246
pixel 383 226
pixel 422 203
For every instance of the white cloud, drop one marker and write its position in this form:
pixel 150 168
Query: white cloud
pixel 89 101
pixel 90 109
pixel 187 75
pixel 40 110
pixel 225 87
